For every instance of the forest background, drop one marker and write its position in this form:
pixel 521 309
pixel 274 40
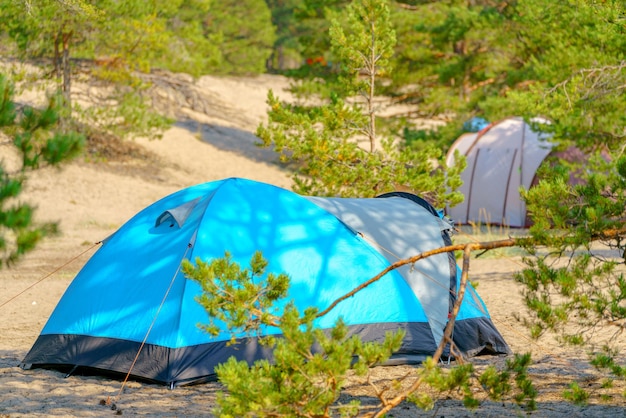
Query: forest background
pixel 446 62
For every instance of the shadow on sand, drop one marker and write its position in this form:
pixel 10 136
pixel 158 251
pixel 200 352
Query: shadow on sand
pixel 230 139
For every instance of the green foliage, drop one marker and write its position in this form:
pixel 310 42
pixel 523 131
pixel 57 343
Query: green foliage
pixel 131 117
pixel 287 50
pixel 327 162
pixel 36 26
pixel 36 137
pixel 496 384
pixel 607 359
pixel 234 296
pixel 246 33
pixel 301 382
pixel 191 36
pixel 34 140
pixel 575 81
pixel 192 48
pixel 313 26
pixel 576 286
pixel 577 223
pixel 366 43
pixel 455 379
pixel 527 392
pixel 452 55
pixel 561 60
pixel 130 36
pixel 438 135
pixel 310 364
pixel 576 394
pixel 123 37
pixel 323 142
pixel 113 41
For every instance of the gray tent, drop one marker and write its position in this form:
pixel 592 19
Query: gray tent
pixel 501 158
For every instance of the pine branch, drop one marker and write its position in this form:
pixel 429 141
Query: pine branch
pixel 489 245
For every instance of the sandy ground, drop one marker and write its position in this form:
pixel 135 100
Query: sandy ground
pixel 91 200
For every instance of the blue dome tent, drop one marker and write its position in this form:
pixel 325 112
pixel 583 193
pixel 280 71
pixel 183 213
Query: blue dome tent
pixel 131 310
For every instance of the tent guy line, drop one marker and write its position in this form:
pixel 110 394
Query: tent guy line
pixel 49 274
pixel 143 343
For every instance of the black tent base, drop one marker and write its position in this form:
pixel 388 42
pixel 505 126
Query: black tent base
pixel 85 355
pixel 69 370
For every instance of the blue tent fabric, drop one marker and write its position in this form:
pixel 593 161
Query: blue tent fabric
pixel 130 306
pixel 475 124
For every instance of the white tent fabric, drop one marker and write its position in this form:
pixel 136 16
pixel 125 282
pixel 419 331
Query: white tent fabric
pixel 501 159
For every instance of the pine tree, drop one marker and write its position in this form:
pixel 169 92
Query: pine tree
pixel 246 33
pixel 341 147
pixel 36 136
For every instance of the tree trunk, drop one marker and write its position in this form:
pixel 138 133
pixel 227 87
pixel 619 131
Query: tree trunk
pixel 57 58
pixel 67 81
pixel 372 90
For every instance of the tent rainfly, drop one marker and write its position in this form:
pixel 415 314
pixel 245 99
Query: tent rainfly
pixel 131 311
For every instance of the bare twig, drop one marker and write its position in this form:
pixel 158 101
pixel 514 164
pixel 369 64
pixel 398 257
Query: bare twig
pixel 490 245
pixel 389 404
